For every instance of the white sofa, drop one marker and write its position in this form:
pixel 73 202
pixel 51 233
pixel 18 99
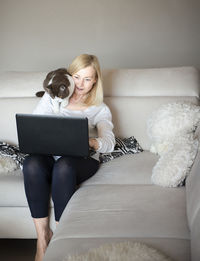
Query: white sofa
pixel 119 202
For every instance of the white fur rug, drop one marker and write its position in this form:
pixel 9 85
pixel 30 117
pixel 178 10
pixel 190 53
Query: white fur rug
pixel 124 251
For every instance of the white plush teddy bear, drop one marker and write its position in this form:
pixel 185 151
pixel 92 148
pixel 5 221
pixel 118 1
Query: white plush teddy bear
pixel 172 132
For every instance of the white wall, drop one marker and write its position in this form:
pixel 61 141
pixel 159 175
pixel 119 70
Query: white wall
pixel 46 34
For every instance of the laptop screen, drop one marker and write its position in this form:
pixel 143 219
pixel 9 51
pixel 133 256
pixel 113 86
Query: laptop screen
pixel 52 135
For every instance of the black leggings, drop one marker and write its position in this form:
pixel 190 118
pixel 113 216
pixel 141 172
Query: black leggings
pixel 43 176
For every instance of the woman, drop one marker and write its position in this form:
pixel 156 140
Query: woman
pixel 45 174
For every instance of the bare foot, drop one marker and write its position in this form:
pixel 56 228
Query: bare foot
pixel 42 244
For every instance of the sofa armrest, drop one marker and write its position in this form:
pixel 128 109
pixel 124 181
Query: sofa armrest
pixel 197 132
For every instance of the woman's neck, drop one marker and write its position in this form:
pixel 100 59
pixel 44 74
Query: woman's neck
pixel 75 98
pixel 76 102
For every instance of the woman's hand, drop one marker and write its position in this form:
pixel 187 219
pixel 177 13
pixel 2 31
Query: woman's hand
pixel 93 143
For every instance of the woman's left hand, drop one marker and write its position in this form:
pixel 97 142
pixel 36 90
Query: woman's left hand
pixel 93 143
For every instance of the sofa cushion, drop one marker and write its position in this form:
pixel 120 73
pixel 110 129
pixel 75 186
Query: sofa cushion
pixel 122 147
pixel 8 121
pixel 123 211
pixel 21 84
pixel 130 114
pixel 12 192
pixel 16 222
pixel 174 81
pixel 128 169
pixel 135 82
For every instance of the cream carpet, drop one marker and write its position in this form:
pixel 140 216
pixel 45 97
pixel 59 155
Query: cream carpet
pixel 124 251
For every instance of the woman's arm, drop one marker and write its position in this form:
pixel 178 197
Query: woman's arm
pixel 105 141
pixel 106 138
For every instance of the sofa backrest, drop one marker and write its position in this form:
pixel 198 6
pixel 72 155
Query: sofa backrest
pixel 131 94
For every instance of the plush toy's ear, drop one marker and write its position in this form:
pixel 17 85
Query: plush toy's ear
pixel 48 79
pixel 48 87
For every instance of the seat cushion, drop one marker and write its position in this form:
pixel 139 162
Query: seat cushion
pixel 127 169
pixel 123 211
pixel 134 172
pixel 12 193
pixel 12 190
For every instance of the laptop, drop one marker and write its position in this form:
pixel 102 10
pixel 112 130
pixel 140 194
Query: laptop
pixel 52 135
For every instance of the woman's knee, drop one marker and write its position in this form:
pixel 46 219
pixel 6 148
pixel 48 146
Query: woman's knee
pixel 37 163
pixel 65 162
pixel 64 168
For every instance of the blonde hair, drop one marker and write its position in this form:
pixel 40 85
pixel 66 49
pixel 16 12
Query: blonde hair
pixel 95 96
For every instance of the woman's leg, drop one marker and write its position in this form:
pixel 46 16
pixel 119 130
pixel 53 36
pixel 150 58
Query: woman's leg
pixel 69 172
pixel 44 235
pixel 37 171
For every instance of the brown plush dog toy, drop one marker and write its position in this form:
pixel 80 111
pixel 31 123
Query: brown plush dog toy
pixel 60 86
